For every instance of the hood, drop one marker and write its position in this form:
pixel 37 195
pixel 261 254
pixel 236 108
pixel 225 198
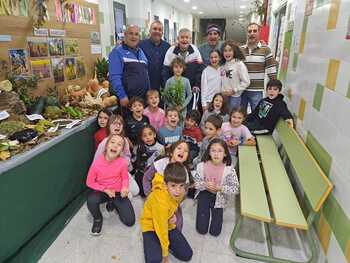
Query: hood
pixel 278 98
pixel 161 164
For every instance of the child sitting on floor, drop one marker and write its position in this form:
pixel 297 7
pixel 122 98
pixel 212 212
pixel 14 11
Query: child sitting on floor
pixel 171 132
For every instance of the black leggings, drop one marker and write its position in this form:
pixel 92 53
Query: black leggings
pixel 122 205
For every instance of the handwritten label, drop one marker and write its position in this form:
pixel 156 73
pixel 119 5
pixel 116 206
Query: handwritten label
pixel 34 117
pixel 5 38
pixel 96 49
pixel 57 32
pixel 41 32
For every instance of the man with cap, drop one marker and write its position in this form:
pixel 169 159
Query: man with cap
pixel 213 42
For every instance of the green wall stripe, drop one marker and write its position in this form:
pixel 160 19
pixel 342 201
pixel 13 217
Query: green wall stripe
pixel 318 97
pixel 101 17
pixel 295 61
pixel 338 221
pixel 323 158
pixel 348 93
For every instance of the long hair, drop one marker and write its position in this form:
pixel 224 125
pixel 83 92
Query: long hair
pixel 237 52
pixel 223 110
pixel 114 118
pixel 227 159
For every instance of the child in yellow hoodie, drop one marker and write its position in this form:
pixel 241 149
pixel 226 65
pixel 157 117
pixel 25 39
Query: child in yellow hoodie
pixel 158 220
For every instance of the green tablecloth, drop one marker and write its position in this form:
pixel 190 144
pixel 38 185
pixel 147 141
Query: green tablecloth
pixel 38 187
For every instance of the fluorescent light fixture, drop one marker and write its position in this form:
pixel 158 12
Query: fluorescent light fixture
pixel 200 12
pixel 186 1
pixel 242 6
pixel 194 7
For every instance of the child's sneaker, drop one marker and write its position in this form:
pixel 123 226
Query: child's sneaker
pixel 96 227
pixel 110 206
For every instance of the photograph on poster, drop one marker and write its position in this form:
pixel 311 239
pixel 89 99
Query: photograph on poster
pixel 38 47
pixel 19 61
pixel 80 67
pixel 348 30
pixel 309 7
pixel 58 69
pixel 41 68
pixel 71 47
pixel 69 68
pixel 95 38
pixel 56 47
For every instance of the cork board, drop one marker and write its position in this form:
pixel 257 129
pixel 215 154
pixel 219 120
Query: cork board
pixel 20 28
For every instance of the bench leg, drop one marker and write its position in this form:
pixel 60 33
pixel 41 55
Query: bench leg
pixel 269 258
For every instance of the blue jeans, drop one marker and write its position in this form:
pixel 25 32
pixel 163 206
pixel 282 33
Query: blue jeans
pixel 251 97
pixel 178 246
pixel 233 102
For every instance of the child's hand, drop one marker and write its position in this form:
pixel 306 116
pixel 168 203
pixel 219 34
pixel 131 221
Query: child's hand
pixel 233 142
pixel 110 193
pixel 228 93
pixel 211 187
pixel 124 192
pixel 172 220
pixel 290 123
pixel 178 108
pixel 165 260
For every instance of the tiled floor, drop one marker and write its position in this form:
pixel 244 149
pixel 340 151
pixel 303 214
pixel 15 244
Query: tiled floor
pixel 122 244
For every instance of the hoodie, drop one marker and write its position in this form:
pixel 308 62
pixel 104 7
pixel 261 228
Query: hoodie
pixel 159 207
pixel 268 112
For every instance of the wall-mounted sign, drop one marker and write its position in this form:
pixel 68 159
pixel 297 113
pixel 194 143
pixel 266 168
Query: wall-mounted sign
pixel 57 32
pixel 41 32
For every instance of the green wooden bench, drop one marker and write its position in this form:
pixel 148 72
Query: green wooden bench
pixel 267 194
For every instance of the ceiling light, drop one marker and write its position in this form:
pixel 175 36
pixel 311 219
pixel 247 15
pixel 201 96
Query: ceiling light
pixel 200 12
pixel 194 7
pixel 242 6
pixel 186 1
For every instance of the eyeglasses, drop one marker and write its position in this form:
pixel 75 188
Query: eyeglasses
pixel 252 31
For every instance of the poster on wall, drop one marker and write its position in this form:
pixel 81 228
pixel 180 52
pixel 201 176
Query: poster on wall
pixel 348 31
pixel 41 68
pixel 166 30
pixel 56 47
pixel 95 38
pixel 58 69
pixel 285 55
pixel 119 21
pixel 19 61
pixel 71 47
pixel 38 47
pixel 69 68
pixel 309 7
pixel 14 8
pixel 80 67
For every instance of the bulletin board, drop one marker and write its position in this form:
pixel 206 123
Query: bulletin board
pixel 21 27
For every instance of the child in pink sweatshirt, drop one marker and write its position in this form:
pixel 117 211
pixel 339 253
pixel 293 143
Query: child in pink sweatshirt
pixel 108 178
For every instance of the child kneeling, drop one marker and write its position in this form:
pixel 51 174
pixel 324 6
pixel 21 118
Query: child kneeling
pixel 108 177
pixel 158 220
pixel 215 179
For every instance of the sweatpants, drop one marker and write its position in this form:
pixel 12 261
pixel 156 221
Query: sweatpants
pixel 178 246
pixel 122 205
pixel 205 207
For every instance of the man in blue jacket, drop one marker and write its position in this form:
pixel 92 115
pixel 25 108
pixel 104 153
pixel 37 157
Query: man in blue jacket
pixel 155 48
pixel 128 68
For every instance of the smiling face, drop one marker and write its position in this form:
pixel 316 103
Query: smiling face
pixel 213 38
pixel 210 130
pixel 180 153
pixel 102 119
pixel 156 32
pixel 148 136
pixel 114 147
pixel 228 53
pixel 184 40
pixel 172 119
pixel 236 119
pixel 176 190
pixel 153 100
pixel 132 36
pixel 253 34
pixel 116 127
pixel 272 92
pixel 214 59
pixel 189 123
pixel 218 102
pixel 217 153
pixel 137 109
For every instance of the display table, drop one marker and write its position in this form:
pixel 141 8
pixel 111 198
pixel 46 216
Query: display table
pixel 40 190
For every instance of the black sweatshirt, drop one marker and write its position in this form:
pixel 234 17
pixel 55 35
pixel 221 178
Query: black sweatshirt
pixel 268 112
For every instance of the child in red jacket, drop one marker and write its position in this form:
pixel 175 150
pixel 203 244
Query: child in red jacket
pixel 102 121
pixel 192 134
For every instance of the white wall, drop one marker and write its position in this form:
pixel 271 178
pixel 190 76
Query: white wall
pixel 138 12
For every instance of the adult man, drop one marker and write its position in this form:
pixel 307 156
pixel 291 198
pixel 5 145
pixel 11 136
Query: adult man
pixel 190 54
pixel 128 71
pixel 213 42
pixel 155 48
pixel 259 60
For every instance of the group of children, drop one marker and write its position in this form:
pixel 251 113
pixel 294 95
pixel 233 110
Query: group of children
pixel 149 152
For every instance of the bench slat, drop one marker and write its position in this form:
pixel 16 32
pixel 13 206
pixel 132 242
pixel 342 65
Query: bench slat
pixel 315 183
pixel 285 206
pixel 253 196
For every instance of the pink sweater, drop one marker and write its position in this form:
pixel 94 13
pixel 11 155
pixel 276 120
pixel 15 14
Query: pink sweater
pixel 156 119
pixel 108 175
